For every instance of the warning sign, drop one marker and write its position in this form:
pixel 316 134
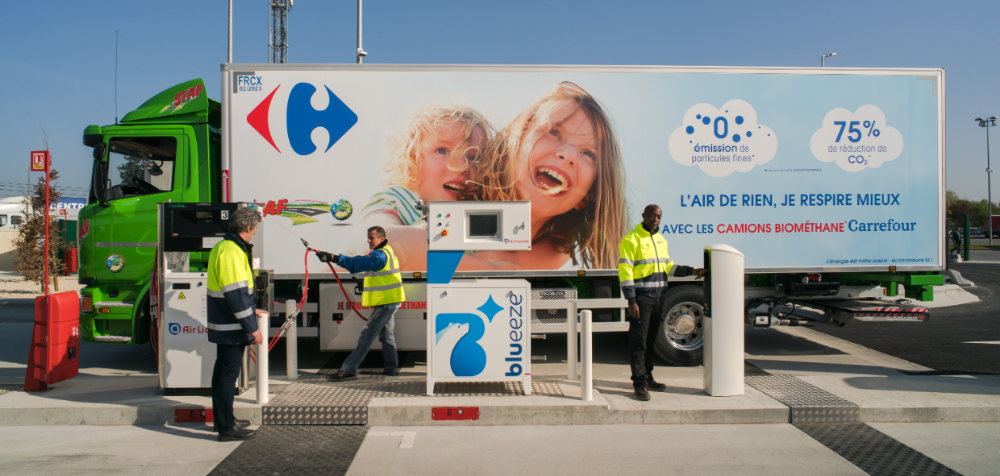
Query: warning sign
pixel 182 296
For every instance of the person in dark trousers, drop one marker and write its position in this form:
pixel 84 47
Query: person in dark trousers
pixel 956 239
pixel 232 322
pixel 383 292
pixel 643 269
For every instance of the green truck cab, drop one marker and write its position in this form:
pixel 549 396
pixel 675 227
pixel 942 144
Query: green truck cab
pixel 167 150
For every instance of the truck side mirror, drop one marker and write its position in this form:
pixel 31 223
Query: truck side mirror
pixel 99 151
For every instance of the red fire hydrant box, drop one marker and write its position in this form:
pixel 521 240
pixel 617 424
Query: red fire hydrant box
pixel 55 343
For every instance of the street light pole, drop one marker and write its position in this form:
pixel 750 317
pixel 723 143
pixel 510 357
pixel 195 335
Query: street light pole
pixel 988 122
pixel 822 59
pixel 361 51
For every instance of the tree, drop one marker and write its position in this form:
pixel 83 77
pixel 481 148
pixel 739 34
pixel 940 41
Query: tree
pixel 30 240
pixel 978 211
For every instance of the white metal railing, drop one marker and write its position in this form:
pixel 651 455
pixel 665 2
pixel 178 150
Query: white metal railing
pixel 573 328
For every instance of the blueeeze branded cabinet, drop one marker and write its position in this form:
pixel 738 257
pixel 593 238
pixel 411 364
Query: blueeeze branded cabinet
pixel 479 331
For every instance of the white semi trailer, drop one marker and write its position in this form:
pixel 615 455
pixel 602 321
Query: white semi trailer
pixel 830 181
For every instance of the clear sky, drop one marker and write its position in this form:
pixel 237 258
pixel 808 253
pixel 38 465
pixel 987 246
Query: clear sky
pixel 57 68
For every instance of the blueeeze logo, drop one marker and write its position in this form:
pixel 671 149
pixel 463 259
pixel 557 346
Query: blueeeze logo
pixel 301 118
pixel 459 337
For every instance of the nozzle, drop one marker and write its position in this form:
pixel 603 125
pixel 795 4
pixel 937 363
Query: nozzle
pixel 305 243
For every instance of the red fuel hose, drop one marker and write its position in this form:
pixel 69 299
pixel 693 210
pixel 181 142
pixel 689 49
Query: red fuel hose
pixel 345 293
pixel 305 292
pixel 298 308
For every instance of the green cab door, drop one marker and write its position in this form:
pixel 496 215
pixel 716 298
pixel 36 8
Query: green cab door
pixel 144 167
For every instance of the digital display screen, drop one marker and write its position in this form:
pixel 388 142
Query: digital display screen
pixel 191 227
pixel 484 225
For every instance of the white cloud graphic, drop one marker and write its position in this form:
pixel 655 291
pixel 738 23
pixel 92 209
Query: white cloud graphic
pixel 857 140
pixel 723 140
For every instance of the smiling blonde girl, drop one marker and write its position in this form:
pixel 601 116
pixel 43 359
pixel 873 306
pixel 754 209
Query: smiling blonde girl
pixel 562 155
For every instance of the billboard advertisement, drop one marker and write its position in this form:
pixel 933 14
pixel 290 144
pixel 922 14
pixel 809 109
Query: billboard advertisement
pixel 800 170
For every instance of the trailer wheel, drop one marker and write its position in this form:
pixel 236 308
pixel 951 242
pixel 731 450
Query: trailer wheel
pixel 682 334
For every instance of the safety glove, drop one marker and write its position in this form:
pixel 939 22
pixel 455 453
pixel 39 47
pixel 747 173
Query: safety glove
pixel 327 257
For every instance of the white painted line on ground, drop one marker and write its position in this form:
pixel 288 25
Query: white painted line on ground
pixel 994 342
pixel 406 442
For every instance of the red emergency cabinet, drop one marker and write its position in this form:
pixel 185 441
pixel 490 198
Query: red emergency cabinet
pixel 55 342
pixel 70 259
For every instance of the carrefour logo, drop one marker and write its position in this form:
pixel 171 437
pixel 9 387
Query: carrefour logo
pixel 301 118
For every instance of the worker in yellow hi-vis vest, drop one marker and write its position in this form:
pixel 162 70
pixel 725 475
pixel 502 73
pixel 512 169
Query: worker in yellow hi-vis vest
pixel 383 292
pixel 643 269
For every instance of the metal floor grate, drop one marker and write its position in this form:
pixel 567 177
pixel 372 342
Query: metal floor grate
pixel 307 450
pixel 313 400
pixel 833 421
pixel 872 451
pixel 807 402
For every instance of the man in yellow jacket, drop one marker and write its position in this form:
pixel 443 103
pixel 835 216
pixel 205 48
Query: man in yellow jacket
pixel 643 268
pixel 383 292
pixel 232 318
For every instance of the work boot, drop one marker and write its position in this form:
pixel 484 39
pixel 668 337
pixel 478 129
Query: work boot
pixel 241 424
pixel 657 386
pixel 237 435
pixel 341 376
pixel 642 394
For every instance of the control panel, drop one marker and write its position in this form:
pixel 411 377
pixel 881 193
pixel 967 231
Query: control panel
pixel 478 226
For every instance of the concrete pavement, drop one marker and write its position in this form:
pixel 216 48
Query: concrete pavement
pixel 147 450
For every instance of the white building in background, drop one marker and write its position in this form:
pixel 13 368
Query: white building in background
pixel 13 213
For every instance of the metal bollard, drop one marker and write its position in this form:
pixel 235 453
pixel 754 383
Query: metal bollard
pixel 292 343
pixel 263 324
pixel 587 344
pixel 571 339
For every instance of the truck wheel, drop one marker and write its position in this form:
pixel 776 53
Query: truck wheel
pixel 682 334
pixel 143 323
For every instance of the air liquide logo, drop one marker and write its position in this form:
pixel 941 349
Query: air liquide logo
pixel 466 343
pixel 301 118
pixel 187 329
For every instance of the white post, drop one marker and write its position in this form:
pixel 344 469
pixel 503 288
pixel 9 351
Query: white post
pixel 587 342
pixel 723 373
pixel 292 343
pixel 571 339
pixel 263 324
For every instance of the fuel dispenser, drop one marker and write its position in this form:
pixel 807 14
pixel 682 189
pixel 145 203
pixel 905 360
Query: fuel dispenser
pixel 478 330
pixel 723 321
pixel 188 231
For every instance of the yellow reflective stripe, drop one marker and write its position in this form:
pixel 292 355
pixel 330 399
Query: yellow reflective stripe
pixel 244 313
pixel 224 327
pixel 651 261
pixel 383 288
pixel 230 287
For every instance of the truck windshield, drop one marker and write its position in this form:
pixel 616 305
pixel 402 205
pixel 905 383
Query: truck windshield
pixel 140 166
